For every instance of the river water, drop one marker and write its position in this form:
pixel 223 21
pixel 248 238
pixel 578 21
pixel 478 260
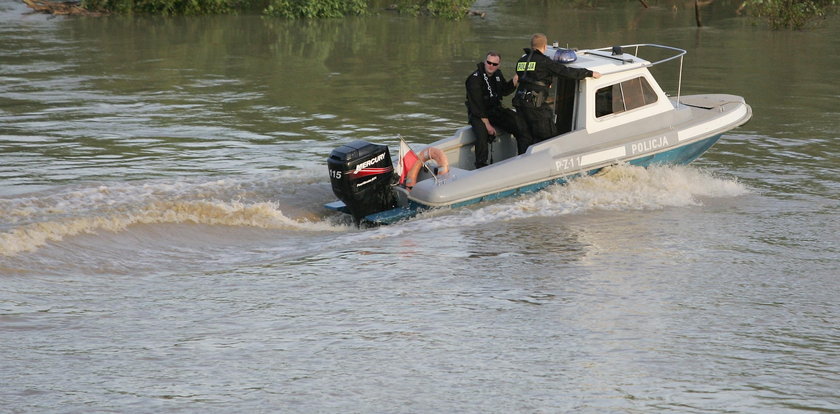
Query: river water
pixel 163 247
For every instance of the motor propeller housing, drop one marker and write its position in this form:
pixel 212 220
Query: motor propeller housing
pixel 361 174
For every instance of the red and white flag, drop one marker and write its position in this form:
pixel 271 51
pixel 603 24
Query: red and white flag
pixel 407 160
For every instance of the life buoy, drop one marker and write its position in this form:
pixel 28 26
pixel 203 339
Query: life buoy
pixel 429 153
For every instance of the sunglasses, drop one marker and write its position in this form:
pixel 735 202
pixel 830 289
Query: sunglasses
pixel 491 63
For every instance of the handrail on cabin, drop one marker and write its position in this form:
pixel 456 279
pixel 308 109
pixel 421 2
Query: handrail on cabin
pixel 680 53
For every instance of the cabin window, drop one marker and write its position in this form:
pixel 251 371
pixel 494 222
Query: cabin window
pixel 624 96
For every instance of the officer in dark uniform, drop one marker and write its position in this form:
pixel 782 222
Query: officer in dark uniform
pixel 535 71
pixel 485 89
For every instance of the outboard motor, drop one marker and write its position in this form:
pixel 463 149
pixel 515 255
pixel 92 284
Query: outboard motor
pixel 361 174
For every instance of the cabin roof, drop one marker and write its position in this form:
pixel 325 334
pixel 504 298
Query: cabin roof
pixel 603 61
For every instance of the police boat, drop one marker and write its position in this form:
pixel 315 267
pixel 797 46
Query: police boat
pixel 622 117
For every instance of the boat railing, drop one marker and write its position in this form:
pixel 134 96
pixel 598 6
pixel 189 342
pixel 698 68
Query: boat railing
pixel 678 54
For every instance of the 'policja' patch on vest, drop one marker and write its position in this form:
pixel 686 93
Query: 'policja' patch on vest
pixel 520 66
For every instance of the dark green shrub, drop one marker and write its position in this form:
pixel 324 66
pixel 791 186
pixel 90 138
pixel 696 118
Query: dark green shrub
pixel 293 9
pixel 794 14
pixel 450 9
pixel 164 7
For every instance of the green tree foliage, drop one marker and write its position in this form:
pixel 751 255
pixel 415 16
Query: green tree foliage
pixel 315 8
pixel 793 14
pixel 451 9
pixel 165 7
pixel 291 9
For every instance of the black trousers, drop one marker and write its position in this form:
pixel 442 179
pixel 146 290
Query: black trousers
pixel 539 123
pixel 500 118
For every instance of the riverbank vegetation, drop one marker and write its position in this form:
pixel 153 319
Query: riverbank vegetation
pixel 291 9
pixel 779 14
pixel 792 14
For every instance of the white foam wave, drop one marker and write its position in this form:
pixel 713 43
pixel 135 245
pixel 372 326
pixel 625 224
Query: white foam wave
pixel 626 187
pixel 271 201
pixel 265 215
pixel 39 220
pixel 619 188
pixel 79 200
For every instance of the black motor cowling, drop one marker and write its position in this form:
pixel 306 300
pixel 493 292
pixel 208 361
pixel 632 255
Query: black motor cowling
pixel 361 174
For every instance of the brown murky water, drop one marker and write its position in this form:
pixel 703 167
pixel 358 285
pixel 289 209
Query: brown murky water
pixel 163 247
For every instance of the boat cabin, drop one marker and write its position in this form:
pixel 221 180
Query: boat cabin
pixel 626 91
pixel 626 96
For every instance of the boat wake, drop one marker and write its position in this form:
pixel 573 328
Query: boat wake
pixel 291 203
pixel 274 203
pixel 619 188
pixel 623 188
pixel 627 187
